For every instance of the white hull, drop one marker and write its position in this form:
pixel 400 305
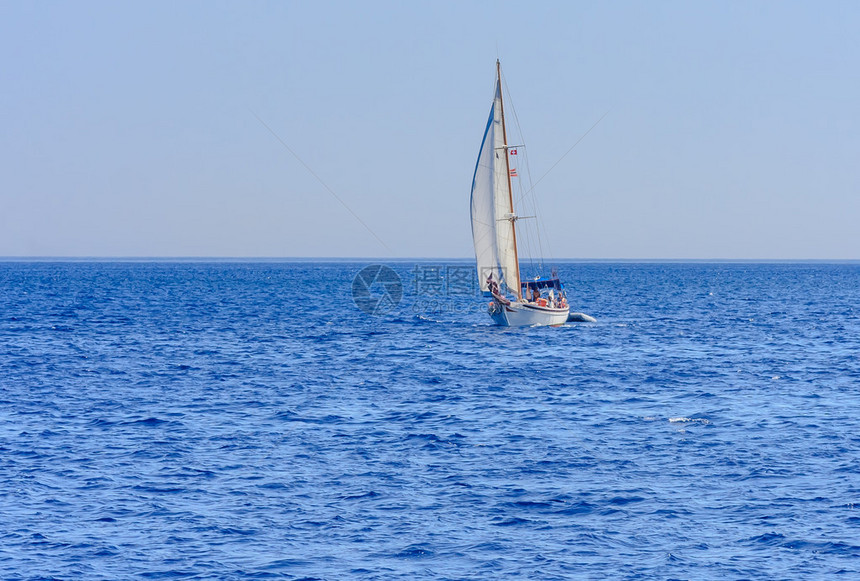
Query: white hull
pixel 526 314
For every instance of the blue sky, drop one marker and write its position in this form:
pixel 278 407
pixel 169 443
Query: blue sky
pixel 129 128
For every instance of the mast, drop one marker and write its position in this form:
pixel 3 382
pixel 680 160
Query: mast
pixel 513 219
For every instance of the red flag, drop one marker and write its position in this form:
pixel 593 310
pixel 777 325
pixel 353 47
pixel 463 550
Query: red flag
pixel 513 152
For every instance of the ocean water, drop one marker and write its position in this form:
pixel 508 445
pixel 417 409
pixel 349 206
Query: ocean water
pixel 248 420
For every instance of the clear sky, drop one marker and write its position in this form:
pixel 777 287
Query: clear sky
pixel 129 128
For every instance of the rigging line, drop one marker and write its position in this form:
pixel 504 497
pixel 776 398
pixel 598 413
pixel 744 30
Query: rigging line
pixel 540 230
pixel 566 152
pixel 537 229
pixel 319 179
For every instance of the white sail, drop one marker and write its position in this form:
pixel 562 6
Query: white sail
pixel 492 214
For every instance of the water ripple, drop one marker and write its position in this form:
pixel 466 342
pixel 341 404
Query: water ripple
pixel 193 420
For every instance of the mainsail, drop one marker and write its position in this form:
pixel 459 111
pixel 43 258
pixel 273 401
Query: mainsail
pixel 493 215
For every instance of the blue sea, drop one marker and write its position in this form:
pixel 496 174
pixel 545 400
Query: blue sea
pixel 252 420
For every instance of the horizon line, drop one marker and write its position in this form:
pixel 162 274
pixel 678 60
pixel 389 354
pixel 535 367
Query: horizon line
pixel 49 258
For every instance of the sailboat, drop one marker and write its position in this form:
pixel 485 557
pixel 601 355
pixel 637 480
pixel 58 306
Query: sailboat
pixel 494 231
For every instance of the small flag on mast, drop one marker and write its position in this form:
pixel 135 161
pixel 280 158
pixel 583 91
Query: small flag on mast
pixel 514 172
pixel 513 152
